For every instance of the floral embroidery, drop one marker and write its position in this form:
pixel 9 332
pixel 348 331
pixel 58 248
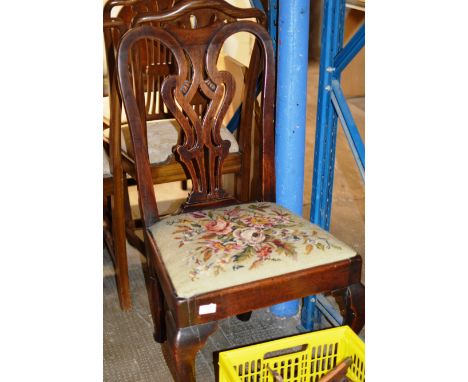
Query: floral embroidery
pixel 243 236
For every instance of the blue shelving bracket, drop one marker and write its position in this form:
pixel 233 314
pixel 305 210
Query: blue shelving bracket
pixel 353 47
pixel 331 105
pixel 349 126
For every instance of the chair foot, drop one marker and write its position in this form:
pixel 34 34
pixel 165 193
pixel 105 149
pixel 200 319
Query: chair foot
pixel 355 311
pixel 120 258
pixel 125 300
pixel 114 235
pixel 121 276
pixel 183 345
pixel 244 316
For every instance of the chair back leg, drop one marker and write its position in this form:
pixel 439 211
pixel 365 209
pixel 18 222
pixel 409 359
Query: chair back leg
pixel 119 243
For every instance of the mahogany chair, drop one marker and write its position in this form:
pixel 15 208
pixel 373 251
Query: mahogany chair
pixel 219 257
pixel 161 129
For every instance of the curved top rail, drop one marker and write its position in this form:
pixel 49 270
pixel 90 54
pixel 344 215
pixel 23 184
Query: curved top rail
pixel 115 3
pixel 183 8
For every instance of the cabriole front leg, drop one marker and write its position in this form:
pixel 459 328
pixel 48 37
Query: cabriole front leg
pixel 183 345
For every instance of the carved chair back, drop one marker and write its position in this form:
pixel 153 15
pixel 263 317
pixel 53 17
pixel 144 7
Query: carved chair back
pixel 195 51
pixel 157 57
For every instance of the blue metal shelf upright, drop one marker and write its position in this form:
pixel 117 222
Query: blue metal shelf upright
pixel 331 106
pixel 291 100
pixel 288 25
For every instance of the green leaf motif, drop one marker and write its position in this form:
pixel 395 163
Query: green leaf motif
pixel 261 207
pixel 289 249
pixel 280 226
pixel 244 255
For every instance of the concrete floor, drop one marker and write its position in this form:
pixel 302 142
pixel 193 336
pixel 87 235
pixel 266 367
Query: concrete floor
pixel 131 355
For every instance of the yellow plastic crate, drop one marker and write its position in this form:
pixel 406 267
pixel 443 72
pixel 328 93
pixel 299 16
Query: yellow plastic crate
pixel 305 357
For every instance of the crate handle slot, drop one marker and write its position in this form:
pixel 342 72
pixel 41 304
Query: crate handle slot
pixel 286 351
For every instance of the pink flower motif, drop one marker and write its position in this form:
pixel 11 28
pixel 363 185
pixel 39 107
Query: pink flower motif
pixel 249 235
pixel 219 226
pixel 264 252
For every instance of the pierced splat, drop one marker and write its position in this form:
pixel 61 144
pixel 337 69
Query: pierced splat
pixel 200 149
pixel 181 15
